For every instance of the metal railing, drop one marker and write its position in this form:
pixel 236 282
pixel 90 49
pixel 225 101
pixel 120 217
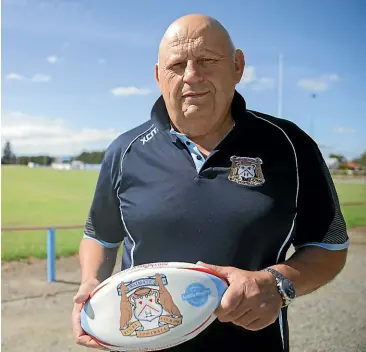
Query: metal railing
pixel 51 243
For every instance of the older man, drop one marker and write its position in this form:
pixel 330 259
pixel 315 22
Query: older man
pixel 206 179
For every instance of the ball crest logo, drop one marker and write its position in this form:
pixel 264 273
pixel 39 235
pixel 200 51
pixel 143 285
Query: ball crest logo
pixel 147 308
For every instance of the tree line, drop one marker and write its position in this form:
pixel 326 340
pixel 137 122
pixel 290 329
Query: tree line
pixel 343 161
pixel 96 157
pixel 8 157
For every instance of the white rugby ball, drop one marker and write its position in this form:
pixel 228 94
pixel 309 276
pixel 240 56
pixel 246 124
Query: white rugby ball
pixel 152 306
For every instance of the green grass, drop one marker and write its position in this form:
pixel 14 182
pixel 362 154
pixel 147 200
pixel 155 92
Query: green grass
pixel 351 192
pixel 43 197
pixel 355 215
pixel 47 197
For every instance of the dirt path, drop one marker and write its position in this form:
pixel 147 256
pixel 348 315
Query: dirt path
pixel 36 315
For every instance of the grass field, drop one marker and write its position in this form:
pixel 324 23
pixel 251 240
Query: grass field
pixel 352 197
pixel 47 197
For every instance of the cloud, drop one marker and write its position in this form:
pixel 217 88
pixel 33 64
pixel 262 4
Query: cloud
pixel 259 84
pixel 52 59
pixel 249 75
pixel 40 77
pixel 318 84
pixel 37 134
pixel 126 91
pixel 333 77
pixel 101 61
pixel 344 130
pixel 12 76
pixel 263 83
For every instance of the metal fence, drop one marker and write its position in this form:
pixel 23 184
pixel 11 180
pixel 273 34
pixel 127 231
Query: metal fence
pixel 51 243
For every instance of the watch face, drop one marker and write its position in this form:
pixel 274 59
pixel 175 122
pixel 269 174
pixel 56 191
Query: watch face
pixel 289 289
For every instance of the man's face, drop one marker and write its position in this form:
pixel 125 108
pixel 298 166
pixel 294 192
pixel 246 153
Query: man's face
pixel 197 74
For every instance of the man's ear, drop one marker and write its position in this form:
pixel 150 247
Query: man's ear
pixel 157 73
pixel 239 65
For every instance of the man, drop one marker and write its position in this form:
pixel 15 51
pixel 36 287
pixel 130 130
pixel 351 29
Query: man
pixel 207 179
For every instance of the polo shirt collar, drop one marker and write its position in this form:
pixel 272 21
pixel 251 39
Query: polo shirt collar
pixel 160 116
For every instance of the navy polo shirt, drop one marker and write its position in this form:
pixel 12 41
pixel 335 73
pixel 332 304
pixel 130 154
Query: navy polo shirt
pixel 264 187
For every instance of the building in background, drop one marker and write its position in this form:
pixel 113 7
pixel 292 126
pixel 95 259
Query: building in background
pixel 332 163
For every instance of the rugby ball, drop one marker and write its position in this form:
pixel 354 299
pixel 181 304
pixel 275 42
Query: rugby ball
pixel 152 306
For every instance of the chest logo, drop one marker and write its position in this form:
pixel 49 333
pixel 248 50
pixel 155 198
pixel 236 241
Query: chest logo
pixel 246 171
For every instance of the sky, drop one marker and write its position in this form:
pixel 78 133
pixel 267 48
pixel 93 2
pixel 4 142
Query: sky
pixel 76 74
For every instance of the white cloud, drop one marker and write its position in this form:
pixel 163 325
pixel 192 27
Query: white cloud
pixel 52 59
pixel 313 85
pixel 333 77
pixel 38 134
pixel 12 76
pixel 318 84
pixel 344 130
pixel 40 77
pixel 126 91
pixel 256 83
pixel 249 75
pixel 263 83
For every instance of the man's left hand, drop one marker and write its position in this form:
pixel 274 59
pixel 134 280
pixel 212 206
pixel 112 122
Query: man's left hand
pixel 251 301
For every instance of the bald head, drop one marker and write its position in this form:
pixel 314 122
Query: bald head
pixel 197 71
pixel 190 27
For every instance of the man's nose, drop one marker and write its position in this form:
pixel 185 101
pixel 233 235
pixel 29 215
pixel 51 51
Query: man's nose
pixel 192 72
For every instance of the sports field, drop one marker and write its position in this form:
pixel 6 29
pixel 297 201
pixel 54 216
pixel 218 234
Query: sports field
pixel 47 197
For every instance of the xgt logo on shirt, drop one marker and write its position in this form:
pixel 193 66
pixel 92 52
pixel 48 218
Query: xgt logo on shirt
pixel 148 136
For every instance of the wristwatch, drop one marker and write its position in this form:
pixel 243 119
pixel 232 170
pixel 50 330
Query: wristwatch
pixel 285 287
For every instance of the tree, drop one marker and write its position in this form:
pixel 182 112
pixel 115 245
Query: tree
pixel 93 157
pixel 339 157
pixel 8 156
pixel 361 160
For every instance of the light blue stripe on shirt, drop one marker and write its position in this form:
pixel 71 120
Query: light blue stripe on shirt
pixel 329 246
pixel 103 243
pixel 197 157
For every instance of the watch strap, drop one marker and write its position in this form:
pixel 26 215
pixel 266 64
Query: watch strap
pixel 277 275
pixel 279 278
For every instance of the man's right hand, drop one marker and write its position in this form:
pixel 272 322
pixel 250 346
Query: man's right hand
pixel 81 338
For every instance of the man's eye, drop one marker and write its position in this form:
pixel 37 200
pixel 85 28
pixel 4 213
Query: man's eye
pixel 208 61
pixel 177 65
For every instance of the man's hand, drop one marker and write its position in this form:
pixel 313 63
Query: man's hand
pixel 81 338
pixel 251 301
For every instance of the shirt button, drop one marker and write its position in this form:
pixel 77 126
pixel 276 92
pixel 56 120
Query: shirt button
pixel 199 157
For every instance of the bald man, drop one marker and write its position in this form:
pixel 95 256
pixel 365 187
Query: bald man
pixel 206 179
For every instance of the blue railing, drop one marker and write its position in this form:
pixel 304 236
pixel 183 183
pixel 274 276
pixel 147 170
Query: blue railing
pixel 51 243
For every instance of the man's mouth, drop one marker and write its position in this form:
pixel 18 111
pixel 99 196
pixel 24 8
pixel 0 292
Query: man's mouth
pixel 194 94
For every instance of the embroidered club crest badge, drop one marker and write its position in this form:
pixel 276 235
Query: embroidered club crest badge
pixel 246 171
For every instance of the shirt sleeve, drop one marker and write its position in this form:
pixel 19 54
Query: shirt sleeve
pixel 104 222
pixel 319 220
